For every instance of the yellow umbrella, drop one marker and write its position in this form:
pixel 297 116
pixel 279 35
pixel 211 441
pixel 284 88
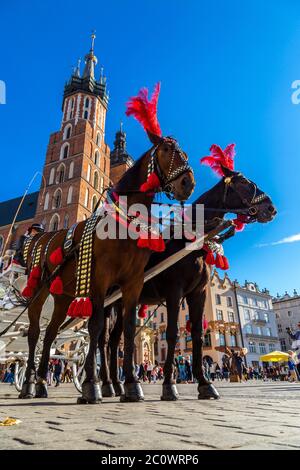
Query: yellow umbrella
pixel 275 356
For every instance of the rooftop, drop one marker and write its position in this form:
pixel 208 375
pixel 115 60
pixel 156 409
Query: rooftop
pixel 8 209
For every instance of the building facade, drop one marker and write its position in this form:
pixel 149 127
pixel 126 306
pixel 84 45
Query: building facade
pixel 257 320
pixel 287 313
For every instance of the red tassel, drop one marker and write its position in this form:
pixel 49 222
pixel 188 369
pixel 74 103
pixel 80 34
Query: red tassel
pixel 151 183
pixel 27 292
pixel 57 286
pixel 205 323
pixel 188 326
pixel 78 308
pixel 56 256
pixel 87 308
pixel 209 258
pixel 32 282
pixel 142 313
pixel 154 244
pixel 239 225
pixel 225 262
pixel 36 273
pixel 72 308
pixel 219 261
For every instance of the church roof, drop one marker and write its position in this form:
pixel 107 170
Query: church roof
pixel 9 208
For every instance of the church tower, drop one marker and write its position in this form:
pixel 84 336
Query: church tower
pixel 77 166
pixel 120 160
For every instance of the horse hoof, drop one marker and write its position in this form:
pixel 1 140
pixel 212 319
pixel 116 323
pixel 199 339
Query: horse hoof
pixel 108 390
pixel 28 390
pixel 91 393
pixel 170 393
pixel 41 390
pixel 133 393
pixel 206 392
pixel 119 389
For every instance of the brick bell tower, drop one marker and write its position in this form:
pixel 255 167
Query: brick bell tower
pixel 77 166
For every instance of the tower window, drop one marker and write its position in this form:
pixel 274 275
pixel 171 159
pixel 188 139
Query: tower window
pixel 51 177
pixel 60 177
pixel 57 199
pixel 86 109
pixel 88 175
pixel 70 195
pixel 96 180
pixel 97 158
pixel 64 152
pixel 71 170
pixel 86 114
pixel 67 132
pixel 94 203
pixel 46 203
pixel 54 223
pixel 66 221
pixel 86 199
pixel 98 139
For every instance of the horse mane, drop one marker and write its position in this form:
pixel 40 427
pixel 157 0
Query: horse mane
pixel 131 179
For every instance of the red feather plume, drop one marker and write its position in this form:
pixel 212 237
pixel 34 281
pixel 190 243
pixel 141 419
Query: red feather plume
pixel 220 159
pixel 145 110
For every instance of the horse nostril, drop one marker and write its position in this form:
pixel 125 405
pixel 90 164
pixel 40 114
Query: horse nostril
pixel 271 209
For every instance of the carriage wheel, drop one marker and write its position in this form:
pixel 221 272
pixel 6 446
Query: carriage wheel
pixel 20 370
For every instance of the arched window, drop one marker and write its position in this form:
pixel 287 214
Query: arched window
pixel 70 110
pixel 57 199
pixel 64 151
pixel 88 175
pixel 86 109
pixel 104 165
pixel 71 170
pixel 66 221
pixel 98 139
pixel 86 199
pixel 94 203
pixel 67 132
pixel 101 184
pixel 97 158
pixel 96 180
pixel 54 223
pixel 1 243
pixel 46 203
pixel 60 175
pixel 51 177
pixel 70 195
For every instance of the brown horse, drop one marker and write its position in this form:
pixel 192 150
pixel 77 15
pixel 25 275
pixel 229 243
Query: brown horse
pixel 188 279
pixel 114 262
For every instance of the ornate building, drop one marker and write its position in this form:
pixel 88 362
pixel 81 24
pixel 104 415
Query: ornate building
pixel 287 312
pixel 78 164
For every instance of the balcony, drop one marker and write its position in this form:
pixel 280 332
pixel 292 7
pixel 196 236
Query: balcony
pixel 262 337
pixel 259 321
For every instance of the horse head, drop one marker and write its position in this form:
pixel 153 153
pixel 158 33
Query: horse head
pixel 235 193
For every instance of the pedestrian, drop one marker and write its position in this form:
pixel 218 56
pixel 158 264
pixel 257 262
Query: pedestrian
pixel 188 370
pixel 295 336
pixel 149 371
pixel 292 367
pixel 57 372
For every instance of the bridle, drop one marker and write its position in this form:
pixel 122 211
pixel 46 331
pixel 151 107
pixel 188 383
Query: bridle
pixel 251 204
pixel 166 181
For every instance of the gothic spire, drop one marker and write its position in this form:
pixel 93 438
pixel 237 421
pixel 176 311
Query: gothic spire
pixel 90 61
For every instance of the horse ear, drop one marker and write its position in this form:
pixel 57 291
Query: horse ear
pixel 155 139
pixel 226 171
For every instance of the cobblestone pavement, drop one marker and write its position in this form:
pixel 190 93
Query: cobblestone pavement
pixel 248 416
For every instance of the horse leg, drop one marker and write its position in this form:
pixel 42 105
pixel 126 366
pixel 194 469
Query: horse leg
pixel 107 388
pixel 61 304
pixel 91 392
pixel 196 303
pixel 114 341
pixel 132 387
pixel 169 392
pixel 34 313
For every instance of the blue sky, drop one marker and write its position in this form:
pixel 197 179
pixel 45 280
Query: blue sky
pixel 226 69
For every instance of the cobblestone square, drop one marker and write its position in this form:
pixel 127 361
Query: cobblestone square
pixel 256 415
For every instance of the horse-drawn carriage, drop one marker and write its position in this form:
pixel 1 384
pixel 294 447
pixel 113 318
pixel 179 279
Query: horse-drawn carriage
pixel 139 268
